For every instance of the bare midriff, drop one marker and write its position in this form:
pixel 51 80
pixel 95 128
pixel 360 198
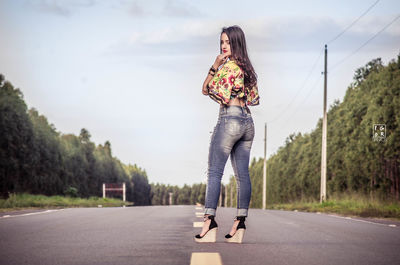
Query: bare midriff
pixel 236 102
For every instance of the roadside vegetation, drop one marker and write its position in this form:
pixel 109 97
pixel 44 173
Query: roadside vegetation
pixel 29 201
pixel 347 205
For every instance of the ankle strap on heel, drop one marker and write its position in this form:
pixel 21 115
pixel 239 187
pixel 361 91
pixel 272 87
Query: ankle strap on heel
pixel 206 217
pixel 240 218
pixel 212 223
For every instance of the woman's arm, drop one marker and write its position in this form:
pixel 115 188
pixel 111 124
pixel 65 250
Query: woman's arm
pixel 208 79
pixel 218 61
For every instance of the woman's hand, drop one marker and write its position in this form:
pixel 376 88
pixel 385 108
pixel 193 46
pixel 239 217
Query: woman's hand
pixel 218 61
pixel 204 91
pixel 221 59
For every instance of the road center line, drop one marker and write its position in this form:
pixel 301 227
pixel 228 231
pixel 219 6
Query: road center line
pixel 197 224
pixel 205 258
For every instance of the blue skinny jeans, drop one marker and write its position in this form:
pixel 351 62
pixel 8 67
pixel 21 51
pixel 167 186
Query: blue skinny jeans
pixel 233 135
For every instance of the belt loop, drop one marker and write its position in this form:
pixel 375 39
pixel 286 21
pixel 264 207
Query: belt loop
pixel 245 110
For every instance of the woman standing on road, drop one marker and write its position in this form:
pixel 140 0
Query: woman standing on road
pixel 231 82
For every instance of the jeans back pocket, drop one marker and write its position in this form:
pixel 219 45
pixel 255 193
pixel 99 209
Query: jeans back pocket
pixel 233 125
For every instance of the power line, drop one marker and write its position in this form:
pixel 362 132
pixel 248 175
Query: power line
pixel 341 61
pixel 312 69
pixel 354 22
pixel 298 91
pixel 365 43
pixel 332 40
pixel 315 63
pixel 302 102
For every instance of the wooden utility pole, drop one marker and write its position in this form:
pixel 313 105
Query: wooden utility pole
pixel 231 189
pixel 170 198
pixel 265 169
pixel 124 191
pixel 220 195
pixel 226 196
pixel 324 127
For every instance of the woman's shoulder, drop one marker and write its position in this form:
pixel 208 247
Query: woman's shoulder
pixel 231 62
pixel 232 65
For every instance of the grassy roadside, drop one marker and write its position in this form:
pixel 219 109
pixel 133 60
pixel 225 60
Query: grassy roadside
pixel 347 205
pixel 29 201
pixel 343 204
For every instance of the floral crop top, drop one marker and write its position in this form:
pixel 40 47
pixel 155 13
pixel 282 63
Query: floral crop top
pixel 228 83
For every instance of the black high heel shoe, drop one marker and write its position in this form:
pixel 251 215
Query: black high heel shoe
pixel 211 234
pixel 237 237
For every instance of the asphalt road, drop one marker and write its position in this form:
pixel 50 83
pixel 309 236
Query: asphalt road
pixel 164 235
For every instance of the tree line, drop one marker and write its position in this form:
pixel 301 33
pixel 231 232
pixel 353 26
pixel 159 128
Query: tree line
pixel 37 159
pixel 356 161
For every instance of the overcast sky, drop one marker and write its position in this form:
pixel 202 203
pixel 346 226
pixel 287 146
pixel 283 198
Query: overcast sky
pixel 131 72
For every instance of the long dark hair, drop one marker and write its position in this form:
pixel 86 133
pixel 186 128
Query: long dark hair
pixel 238 46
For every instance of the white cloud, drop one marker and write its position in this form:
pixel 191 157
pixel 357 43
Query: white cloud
pixel 265 34
pixel 372 25
pixel 171 34
pixel 163 8
pixel 179 9
pixel 60 7
pixel 136 10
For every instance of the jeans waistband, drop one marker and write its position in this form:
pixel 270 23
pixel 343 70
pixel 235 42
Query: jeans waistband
pixel 234 110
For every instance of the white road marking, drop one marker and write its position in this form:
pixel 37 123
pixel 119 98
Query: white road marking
pixel 198 224
pixel 205 258
pixel 291 223
pixel 26 214
pixel 364 221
